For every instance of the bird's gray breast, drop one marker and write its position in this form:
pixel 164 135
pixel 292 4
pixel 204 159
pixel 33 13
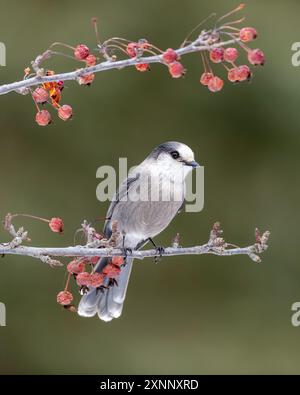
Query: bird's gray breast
pixel 149 205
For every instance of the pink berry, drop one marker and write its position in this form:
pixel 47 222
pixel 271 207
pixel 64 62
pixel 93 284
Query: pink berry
pixel 40 95
pixel 142 67
pixel 56 225
pixel 205 78
pixel 215 84
pixel 93 260
pixel 60 85
pixel 169 56
pixel 231 55
pixel 248 34
pixel 90 60
pixel 176 70
pixel 233 75
pixel 96 279
pixel 65 112
pixel 43 118
pixel 111 270
pixel 75 267
pixel 256 57
pixel 86 79
pixel 244 73
pixel 64 298
pixel 117 260
pixel 83 279
pixel 132 49
pixel 216 55
pixel 81 52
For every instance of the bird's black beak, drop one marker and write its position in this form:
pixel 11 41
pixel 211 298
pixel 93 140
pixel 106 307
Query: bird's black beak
pixel 192 163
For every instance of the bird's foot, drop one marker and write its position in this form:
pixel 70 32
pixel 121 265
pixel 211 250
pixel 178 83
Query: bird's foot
pixel 159 253
pixel 126 252
pixel 112 282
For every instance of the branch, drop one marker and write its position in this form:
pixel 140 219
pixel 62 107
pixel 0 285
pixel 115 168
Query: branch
pixel 216 245
pixel 97 246
pixel 201 44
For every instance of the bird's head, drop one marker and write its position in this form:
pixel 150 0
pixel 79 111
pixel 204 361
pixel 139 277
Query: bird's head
pixel 174 157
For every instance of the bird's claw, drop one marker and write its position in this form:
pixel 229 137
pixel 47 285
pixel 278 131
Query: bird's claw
pixel 159 253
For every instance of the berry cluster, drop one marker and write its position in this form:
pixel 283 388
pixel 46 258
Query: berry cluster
pixel 228 56
pixel 78 268
pixel 51 92
pixel 212 45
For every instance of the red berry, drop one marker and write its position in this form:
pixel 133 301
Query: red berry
pixel 233 75
pixel 142 67
pixel 215 84
pixel 205 78
pixel 56 225
pixel 244 73
pixel 43 118
pixel 93 260
pixel 65 112
pixel 81 52
pixel 132 49
pixel 96 279
pixel 111 270
pixel 217 55
pixel 86 79
pixel 75 267
pixel 60 85
pixel 176 70
pixel 256 57
pixel 90 60
pixel 64 298
pixel 40 95
pixel 117 260
pixel 248 34
pixel 83 279
pixel 169 56
pixel 231 55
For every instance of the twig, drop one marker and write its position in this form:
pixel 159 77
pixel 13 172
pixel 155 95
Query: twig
pixel 202 43
pixel 216 245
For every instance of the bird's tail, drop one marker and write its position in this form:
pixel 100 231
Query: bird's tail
pixel 109 302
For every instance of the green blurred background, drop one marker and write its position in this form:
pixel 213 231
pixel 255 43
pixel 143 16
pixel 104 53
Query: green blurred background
pixel 193 314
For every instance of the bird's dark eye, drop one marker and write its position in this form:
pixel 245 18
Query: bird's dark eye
pixel 175 154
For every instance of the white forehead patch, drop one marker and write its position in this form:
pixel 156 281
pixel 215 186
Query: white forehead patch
pixel 186 153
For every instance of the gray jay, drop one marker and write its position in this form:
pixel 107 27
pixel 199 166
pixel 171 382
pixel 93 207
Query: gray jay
pixel 144 205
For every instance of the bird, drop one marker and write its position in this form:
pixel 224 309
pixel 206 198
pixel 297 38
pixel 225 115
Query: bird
pixel 143 206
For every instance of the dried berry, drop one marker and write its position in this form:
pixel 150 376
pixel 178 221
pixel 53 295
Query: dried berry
pixel 56 225
pixel 248 34
pixel 205 78
pixel 76 267
pixel 65 112
pixel 256 57
pixel 83 279
pixel 81 52
pixel 216 55
pixel 43 118
pixel 169 56
pixel 215 84
pixel 176 70
pixel 231 55
pixel 40 95
pixel 64 298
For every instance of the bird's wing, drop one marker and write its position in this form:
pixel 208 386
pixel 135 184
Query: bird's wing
pixel 121 193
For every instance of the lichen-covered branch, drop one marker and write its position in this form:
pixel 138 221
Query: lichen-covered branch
pixel 199 45
pixel 100 247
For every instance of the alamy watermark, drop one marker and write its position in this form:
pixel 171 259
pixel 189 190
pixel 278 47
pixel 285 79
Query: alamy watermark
pixel 152 186
pixel 2 314
pixel 296 316
pixel 296 56
pixel 2 54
